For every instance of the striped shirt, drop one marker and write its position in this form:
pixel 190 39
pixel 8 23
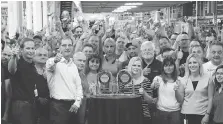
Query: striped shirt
pixel 146 85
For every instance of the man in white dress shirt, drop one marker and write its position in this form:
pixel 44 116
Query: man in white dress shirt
pixel 64 85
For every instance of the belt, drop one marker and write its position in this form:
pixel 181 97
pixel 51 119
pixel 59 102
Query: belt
pixel 63 100
pixel 28 101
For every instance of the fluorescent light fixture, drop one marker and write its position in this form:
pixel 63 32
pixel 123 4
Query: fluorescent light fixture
pixel 133 4
pixel 123 8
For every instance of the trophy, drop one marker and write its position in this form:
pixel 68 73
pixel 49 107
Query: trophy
pixel 104 79
pixel 123 78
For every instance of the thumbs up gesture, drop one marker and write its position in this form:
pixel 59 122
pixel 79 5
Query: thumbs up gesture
pixel 141 90
pixel 176 86
pixel 58 57
pixel 155 84
pixel 180 54
pixel 15 51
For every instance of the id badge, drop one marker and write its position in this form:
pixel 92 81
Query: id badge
pixel 36 93
pixel 185 121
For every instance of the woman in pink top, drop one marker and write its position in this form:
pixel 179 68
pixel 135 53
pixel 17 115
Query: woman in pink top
pixel 195 92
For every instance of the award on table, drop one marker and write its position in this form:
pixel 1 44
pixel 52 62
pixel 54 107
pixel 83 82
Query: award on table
pixel 123 78
pixel 104 79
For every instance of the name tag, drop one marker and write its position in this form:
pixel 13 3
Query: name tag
pixel 185 121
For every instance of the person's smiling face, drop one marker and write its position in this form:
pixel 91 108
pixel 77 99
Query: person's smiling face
pixel 193 65
pixel 136 67
pixel 219 75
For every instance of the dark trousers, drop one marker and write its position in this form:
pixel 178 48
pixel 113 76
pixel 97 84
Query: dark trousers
pixel 193 119
pixel 147 120
pixel 164 117
pixel 42 113
pixel 59 113
pixel 23 112
pixel 82 111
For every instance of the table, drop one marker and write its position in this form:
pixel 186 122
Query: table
pixel 114 109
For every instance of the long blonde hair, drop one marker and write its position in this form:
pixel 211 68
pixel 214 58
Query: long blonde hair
pixel 199 60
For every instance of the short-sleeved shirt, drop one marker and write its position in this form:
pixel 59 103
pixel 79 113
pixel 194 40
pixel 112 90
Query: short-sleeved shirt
pixel 155 67
pixel 209 68
pixel 42 86
pixel 22 81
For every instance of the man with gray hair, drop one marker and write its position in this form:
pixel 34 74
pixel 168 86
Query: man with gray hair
pixel 152 67
pixel 80 61
pixel 41 86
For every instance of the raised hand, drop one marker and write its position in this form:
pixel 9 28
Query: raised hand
pixel 180 54
pixel 15 52
pixel 146 70
pixel 58 23
pixel 156 84
pixel 176 86
pixel 58 57
pixel 141 90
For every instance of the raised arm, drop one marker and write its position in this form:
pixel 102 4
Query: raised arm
pixel 179 91
pixel 12 65
pixel 51 63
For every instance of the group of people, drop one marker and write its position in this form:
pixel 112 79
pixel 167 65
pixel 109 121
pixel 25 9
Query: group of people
pixel 47 79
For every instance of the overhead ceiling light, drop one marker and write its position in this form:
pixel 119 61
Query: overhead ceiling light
pixel 123 8
pixel 133 4
pixel 119 11
pixel 126 7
